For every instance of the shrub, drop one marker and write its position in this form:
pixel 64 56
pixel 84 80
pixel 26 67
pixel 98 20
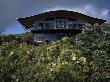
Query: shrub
pixel 84 60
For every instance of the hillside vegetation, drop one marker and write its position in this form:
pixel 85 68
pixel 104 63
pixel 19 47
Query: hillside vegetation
pixel 85 59
pixel 17 37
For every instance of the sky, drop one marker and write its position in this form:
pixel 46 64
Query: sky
pixel 10 10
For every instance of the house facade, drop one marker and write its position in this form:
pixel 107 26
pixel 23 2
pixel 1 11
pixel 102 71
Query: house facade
pixel 53 25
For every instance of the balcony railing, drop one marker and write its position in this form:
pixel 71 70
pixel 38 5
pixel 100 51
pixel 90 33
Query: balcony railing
pixel 57 26
pixel 75 26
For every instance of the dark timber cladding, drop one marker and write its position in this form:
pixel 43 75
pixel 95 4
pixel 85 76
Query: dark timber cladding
pixel 27 22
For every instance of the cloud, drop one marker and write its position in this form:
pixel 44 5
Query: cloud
pixel 93 11
pixel 12 9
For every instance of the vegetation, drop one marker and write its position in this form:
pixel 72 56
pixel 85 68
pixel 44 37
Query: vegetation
pixel 18 37
pixel 85 59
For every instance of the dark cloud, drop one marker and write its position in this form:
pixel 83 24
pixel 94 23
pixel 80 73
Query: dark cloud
pixel 12 9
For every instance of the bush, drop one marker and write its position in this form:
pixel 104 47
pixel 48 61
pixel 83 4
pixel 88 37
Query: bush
pixel 28 63
pixel 26 37
pixel 84 60
pixel 94 43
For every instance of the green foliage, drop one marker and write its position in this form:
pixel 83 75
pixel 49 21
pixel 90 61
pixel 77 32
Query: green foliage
pixel 18 37
pixel 86 59
pixel 28 63
pixel 94 42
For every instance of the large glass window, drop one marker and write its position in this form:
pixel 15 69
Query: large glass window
pixel 49 25
pixel 41 26
pixel 80 26
pixel 61 23
pixel 72 26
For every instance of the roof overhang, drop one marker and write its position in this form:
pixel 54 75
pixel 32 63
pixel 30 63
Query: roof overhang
pixel 27 21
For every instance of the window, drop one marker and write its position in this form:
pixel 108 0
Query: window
pixel 80 26
pixel 61 23
pixel 72 26
pixel 35 26
pixel 41 25
pixel 49 25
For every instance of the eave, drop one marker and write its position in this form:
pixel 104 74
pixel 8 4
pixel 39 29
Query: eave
pixel 28 21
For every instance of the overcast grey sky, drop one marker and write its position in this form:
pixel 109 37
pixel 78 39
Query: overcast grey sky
pixel 12 9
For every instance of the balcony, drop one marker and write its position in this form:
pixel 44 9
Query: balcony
pixel 44 26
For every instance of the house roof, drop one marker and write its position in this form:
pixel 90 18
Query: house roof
pixel 27 21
